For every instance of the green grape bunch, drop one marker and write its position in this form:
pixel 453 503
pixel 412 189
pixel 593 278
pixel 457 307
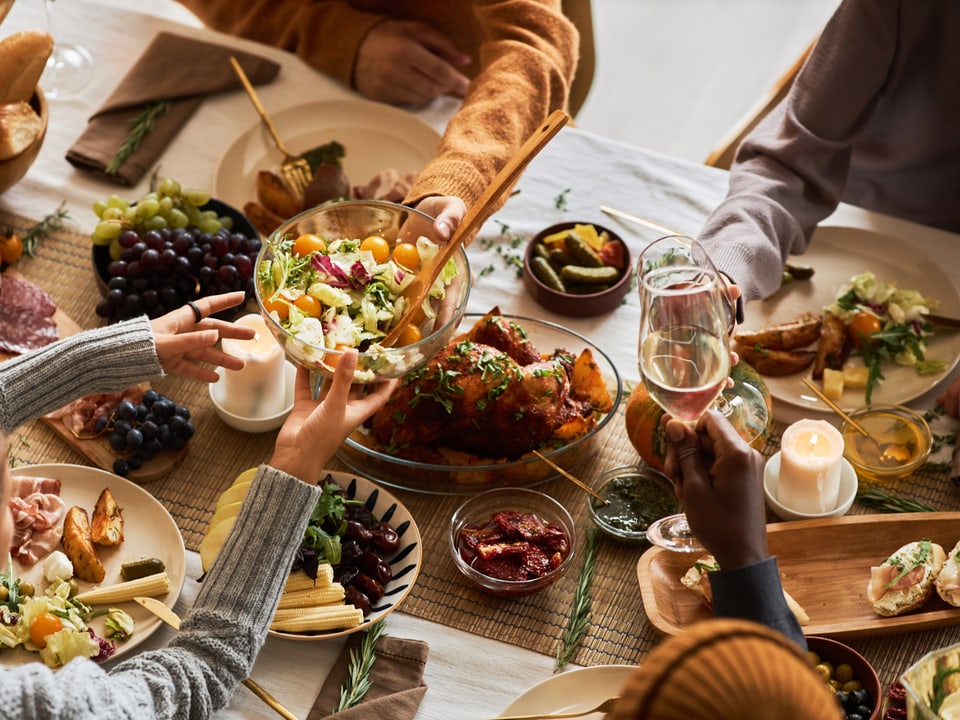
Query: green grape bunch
pixel 165 250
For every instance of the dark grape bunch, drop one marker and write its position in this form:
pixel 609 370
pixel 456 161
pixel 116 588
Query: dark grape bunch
pixel 160 270
pixel 141 431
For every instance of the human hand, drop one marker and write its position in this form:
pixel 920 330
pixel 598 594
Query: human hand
pixel 447 212
pixel 315 429
pixel 950 399
pixel 719 479
pixel 409 63
pixel 183 341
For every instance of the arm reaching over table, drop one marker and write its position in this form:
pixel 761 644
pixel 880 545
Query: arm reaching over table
pixel 721 487
pixel 222 633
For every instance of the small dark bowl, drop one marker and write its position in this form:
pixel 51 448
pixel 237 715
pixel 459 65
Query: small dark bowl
pixel 582 302
pixel 101 253
pixel 836 653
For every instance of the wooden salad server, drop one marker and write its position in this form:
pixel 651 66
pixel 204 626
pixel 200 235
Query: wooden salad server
pixel 416 292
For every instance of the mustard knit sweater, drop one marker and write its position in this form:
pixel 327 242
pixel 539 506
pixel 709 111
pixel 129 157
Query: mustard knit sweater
pixel 525 54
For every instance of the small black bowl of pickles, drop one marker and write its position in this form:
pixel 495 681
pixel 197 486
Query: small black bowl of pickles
pixel 577 269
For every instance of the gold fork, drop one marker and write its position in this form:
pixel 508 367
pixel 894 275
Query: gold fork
pixel 606 706
pixel 296 170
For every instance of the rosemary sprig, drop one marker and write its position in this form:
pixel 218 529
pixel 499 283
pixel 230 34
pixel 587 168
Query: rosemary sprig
pixel 358 680
pixel 140 127
pixel 938 692
pixel 581 615
pixel 885 501
pixel 51 223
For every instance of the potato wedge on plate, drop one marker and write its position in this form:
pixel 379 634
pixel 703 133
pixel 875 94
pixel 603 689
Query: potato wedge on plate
pixel 796 333
pixel 775 363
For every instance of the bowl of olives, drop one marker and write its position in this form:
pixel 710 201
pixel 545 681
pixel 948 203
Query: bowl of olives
pixel 848 673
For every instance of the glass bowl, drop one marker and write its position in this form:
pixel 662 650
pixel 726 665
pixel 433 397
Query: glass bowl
pixel 920 681
pixel 453 473
pixel 899 443
pixel 492 516
pixel 359 219
pixel 637 495
pixel 577 300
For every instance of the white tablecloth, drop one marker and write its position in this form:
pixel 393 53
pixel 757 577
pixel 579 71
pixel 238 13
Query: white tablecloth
pixel 467 675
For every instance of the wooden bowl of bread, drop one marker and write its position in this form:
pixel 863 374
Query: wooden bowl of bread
pixel 23 107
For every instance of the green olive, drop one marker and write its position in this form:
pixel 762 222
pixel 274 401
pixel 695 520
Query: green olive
pixel 4 593
pixel 26 589
pixel 851 686
pixel 833 685
pixel 825 670
pixel 813 658
pixel 843 673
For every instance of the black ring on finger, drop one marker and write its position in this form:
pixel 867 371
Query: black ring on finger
pixel 197 315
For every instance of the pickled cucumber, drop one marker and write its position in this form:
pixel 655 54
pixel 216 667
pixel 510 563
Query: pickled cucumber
pixel 546 274
pixel 141 568
pixel 589 275
pixel 581 252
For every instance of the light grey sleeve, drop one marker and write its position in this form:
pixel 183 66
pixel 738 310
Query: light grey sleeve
pixel 791 171
pixel 107 359
pixel 220 637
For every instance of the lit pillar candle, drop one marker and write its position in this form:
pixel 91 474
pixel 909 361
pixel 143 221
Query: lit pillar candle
pixel 810 455
pixel 258 389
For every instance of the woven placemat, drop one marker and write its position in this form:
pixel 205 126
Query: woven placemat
pixel 620 632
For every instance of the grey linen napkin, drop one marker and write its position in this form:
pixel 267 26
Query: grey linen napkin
pixel 175 68
pixel 396 682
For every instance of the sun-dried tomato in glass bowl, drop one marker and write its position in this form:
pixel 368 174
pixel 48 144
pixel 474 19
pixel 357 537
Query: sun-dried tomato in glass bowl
pixel 512 541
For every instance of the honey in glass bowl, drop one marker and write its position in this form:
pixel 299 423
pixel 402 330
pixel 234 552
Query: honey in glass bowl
pixel 898 443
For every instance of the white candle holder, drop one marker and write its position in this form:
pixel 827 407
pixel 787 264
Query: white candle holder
pixel 847 492
pixel 256 424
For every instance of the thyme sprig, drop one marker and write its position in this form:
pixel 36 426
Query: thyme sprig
pixel 581 615
pixel 358 680
pixel 885 501
pixel 140 127
pixel 51 223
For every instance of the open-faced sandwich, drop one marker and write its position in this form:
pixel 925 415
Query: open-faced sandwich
pixel 948 581
pixel 904 581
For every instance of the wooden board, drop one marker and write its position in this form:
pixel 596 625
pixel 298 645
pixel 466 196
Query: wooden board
pixel 824 564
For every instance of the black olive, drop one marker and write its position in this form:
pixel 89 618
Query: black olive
pixel 350 552
pixel 863 710
pixel 863 697
pixel 344 574
pixel 356 598
pixel 356 531
pixel 374 566
pixel 360 513
pixel 385 538
pixel 368 586
pixel 856 716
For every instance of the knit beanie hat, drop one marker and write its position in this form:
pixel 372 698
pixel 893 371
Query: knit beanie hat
pixel 727 669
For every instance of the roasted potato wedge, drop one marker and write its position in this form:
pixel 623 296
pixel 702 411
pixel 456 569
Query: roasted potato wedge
pixel 775 363
pixel 106 524
pixel 78 546
pixel 263 219
pixel 273 194
pixel 830 350
pixel 796 333
pixel 588 383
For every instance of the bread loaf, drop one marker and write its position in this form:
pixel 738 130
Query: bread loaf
pixel 948 581
pixel 904 581
pixel 23 56
pixel 19 127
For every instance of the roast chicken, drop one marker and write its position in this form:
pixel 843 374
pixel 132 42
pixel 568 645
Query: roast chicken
pixel 489 392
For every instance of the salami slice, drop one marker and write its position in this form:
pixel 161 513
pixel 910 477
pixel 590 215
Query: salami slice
pixel 26 316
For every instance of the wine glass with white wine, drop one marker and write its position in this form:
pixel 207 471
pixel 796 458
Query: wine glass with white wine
pixel 69 67
pixel 686 321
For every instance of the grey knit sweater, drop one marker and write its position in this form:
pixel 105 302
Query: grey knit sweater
pixel 221 635
pixel 871 120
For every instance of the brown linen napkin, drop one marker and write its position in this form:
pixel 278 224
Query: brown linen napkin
pixel 174 68
pixel 396 682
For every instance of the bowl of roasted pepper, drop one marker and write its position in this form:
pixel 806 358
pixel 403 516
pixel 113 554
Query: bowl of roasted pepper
pixel 577 269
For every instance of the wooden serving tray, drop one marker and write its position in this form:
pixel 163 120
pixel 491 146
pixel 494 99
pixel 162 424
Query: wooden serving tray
pixel 824 564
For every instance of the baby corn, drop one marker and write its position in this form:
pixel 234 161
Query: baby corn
pixel 327 617
pixel 301 581
pixel 332 593
pixel 158 584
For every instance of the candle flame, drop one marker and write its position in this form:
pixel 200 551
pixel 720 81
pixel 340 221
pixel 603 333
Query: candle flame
pixel 813 440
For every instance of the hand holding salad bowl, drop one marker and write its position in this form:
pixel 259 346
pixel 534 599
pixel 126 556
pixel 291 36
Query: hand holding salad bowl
pixel 331 279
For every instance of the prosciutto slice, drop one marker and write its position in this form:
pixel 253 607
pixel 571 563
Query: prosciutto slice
pixel 37 525
pixel 24 485
pixel 882 575
pixel 81 415
pixel 26 316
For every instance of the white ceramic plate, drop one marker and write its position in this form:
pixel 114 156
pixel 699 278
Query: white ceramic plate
pixel 405 563
pixel 375 137
pixel 837 254
pixel 148 531
pixel 572 690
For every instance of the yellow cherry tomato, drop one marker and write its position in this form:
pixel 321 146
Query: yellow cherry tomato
pixel 407 255
pixel 11 249
pixel 376 246
pixel 309 305
pixel 862 326
pixel 278 306
pixel 308 243
pixel 44 624
pixel 409 335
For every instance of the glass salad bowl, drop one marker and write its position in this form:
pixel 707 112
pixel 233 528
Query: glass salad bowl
pixel 328 280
